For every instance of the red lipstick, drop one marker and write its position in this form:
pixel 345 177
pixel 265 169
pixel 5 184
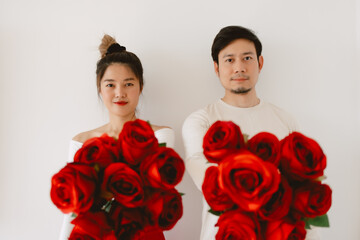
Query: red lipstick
pixel 121 103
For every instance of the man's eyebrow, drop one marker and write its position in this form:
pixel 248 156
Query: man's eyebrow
pixel 244 53
pixel 248 53
pixel 228 55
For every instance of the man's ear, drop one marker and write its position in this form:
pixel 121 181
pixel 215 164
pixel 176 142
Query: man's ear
pixel 261 62
pixel 216 68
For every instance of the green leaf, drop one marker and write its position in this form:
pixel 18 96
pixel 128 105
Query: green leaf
pixel 73 215
pixel 181 194
pixel 162 144
pixel 217 213
pixel 107 206
pixel 320 221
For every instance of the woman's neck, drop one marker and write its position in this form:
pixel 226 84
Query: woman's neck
pixel 116 124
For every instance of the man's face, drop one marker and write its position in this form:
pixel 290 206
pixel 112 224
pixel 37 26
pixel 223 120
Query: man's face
pixel 238 67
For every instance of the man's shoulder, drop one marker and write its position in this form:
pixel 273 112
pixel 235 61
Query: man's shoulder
pixel 273 106
pixel 202 113
pixel 276 109
pixel 200 118
pixel 286 117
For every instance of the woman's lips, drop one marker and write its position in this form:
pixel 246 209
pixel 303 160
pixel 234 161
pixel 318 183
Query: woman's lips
pixel 121 103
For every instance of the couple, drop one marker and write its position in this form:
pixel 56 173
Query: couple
pixel 236 52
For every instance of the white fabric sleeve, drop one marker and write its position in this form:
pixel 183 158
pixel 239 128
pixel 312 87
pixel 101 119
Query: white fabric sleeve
pixel 166 135
pixel 193 131
pixel 66 225
pixel 293 124
pixel 287 119
pixel 312 234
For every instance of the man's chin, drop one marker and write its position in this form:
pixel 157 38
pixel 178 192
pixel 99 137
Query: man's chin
pixel 241 90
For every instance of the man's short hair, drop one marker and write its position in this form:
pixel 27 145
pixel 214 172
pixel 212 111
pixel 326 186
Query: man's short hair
pixel 231 33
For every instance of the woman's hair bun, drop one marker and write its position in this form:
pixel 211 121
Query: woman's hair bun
pixel 115 47
pixel 109 45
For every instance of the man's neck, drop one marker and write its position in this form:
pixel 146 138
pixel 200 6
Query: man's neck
pixel 246 100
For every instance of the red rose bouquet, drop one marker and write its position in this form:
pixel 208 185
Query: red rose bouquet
pixel 263 188
pixel 121 189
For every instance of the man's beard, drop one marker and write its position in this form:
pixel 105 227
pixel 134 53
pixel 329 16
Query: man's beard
pixel 241 90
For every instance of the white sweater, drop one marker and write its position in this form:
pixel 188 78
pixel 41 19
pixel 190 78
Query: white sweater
pixel 263 117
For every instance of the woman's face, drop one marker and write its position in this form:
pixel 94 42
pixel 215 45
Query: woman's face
pixel 120 90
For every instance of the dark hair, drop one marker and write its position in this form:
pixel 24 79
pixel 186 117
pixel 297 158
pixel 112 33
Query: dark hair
pixel 231 33
pixel 111 52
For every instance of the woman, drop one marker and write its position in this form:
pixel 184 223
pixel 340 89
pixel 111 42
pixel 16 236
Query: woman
pixel 119 80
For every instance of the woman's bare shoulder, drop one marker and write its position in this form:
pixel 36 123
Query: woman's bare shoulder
pixel 82 137
pixel 156 127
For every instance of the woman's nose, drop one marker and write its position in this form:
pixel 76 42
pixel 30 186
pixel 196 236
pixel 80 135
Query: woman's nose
pixel 120 92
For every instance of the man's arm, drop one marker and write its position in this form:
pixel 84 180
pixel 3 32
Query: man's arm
pixel 193 131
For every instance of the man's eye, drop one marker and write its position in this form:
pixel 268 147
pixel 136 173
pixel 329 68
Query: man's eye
pixel 247 58
pixel 229 60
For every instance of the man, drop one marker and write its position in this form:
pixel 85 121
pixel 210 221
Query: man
pixel 236 52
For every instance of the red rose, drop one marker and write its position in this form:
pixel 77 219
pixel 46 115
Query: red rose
pixel 73 188
pixel 279 204
pixel 137 140
pixel 301 157
pixel 152 233
pixel 133 224
pixel 116 211
pixel 100 150
pixel 76 235
pixel 299 232
pixel 164 169
pixel 165 208
pixel 222 139
pixel 266 146
pixel 217 199
pixel 284 230
pixel 92 226
pixel 312 199
pixel 248 180
pixel 154 205
pixel 237 225
pixel 148 233
pixel 124 183
pixel 129 222
pixel 172 210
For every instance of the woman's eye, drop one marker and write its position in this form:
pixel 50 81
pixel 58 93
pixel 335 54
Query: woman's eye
pixel 129 84
pixel 109 85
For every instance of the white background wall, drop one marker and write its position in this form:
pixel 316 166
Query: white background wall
pixel 48 52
